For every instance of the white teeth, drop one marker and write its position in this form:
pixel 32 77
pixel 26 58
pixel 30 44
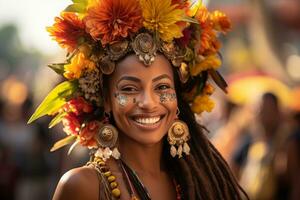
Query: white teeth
pixel 150 120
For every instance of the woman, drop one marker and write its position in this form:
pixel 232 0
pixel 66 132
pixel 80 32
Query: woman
pixel 135 68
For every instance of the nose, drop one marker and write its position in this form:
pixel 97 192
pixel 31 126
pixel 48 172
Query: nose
pixel 148 100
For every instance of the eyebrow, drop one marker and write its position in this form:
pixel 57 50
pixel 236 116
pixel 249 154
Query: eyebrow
pixel 129 78
pixel 134 79
pixel 161 77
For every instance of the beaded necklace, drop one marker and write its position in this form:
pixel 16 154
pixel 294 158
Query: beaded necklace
pixel 131 179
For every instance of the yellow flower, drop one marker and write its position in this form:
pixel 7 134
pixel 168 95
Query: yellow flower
pixel 161 16
pixel 78 64
pixel 210 62
pixel 202 103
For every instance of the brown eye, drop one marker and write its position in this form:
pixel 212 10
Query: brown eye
pixel 129 89
pixel 163 87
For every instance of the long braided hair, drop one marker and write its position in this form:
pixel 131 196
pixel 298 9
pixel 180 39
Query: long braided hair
pixel 204 174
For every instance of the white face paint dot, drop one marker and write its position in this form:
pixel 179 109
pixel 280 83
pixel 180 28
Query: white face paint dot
pixel 122 99
pixel 167 97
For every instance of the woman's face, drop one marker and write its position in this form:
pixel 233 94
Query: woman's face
pixel 142 99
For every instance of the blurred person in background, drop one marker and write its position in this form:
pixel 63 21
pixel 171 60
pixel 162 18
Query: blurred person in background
pixel 23 148
pixel 293 161
pixel 292 153
pixel 8 170
pixel 257 160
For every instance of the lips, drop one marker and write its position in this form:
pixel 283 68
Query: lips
pixel 147 122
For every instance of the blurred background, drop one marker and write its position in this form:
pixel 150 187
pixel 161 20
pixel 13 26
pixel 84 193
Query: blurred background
pixel 256 126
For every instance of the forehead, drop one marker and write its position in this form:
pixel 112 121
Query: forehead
pixel 131 66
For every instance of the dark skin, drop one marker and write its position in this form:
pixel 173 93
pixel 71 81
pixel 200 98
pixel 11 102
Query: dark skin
pixel 140 145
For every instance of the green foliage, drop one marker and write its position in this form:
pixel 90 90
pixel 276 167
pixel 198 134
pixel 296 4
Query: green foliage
pixel 190 20
pixel 63 142
pixel 57 119
pixel 55 100
pixel 78 6
pixel 58 67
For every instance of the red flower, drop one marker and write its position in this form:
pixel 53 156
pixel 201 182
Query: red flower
pixel 87 134
pixel 67 30
pixel 78 106
pixel 184 41
pixel 112 20
pixel 71 124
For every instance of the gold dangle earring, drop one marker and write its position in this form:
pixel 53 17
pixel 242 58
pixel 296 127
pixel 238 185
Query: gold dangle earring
pixel 178 135
pixel 107 139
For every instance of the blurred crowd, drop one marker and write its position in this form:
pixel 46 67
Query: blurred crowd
pixel 256 126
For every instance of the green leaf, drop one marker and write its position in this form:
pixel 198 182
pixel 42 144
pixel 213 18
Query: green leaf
pixel 85 2
pixel 58 67
pixel 63 142
pixel 190 20
pixel 57 119
pixel 54 100
pixel 76 7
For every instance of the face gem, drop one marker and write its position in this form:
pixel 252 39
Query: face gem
pixel 122 99
pixel 167 97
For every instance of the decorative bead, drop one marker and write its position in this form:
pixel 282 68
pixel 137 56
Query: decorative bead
pixel 111 178
pixel 116 154
pixel 173 151
pixel 134 198
pixel 113 185
pixel 101 163
pixel 103 169
pixel 179 151
pixel 107 174
pixel 186 149
pixel 116 192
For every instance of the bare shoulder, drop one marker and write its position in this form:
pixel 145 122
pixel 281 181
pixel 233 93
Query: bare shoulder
pixel 78 183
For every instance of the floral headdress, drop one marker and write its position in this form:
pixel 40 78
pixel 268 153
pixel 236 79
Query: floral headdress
pixel 97 33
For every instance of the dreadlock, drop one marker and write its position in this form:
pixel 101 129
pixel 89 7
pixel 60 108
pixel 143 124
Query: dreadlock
pixel 204 174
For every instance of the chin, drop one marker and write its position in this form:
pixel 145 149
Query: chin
pixel 145 138
pixel 149 140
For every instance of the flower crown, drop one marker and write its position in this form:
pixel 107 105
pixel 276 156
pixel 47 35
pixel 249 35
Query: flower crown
pixel 97 33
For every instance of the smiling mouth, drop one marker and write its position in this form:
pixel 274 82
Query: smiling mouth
pixel 147 120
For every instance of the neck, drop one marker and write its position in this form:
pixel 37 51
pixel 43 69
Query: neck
pixel 144 159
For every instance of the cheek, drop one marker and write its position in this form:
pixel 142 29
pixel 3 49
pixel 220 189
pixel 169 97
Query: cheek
pixel 121 105
pixel 123 100
pixel 169 101
pixel 171 106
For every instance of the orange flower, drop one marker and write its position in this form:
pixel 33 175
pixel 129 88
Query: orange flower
pixel 67 30
pixel 220 21
pixel 181 4
pixel 202 15
pixel 112 20
pixel 207 42
pixel 208 89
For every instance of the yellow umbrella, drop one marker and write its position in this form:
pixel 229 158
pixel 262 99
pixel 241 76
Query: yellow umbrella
pixel 249 89
pixel 295 102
